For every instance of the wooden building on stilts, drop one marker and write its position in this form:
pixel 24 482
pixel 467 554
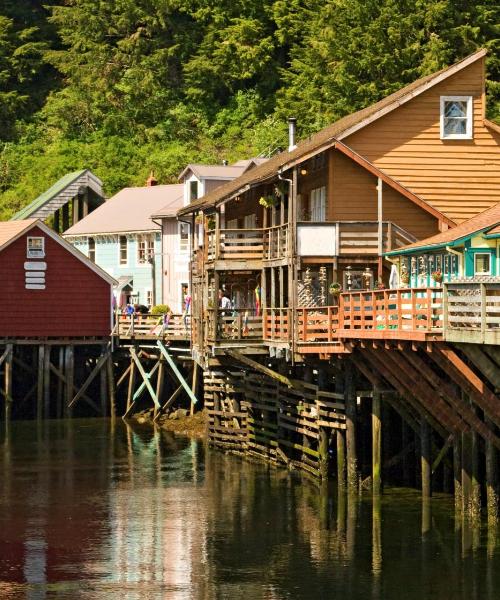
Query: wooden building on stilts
pixel 317 353
pixel 55 325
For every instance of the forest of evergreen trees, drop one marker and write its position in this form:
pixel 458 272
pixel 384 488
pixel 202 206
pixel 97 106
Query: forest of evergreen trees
pixel 126 86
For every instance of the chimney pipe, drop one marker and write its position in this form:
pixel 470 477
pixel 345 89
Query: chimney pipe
pixel 151 180
pixel 292 122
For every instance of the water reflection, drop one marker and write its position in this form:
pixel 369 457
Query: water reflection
pixel 136 513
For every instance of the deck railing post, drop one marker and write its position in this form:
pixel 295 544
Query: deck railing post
pixel 429 309
pixel 445 308
pixel 482 287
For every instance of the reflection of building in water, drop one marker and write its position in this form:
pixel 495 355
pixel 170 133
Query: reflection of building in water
pixel 157 518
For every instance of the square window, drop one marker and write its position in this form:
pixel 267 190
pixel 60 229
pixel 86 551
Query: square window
pixel 456 117
pixel 35 247
pixel 482 264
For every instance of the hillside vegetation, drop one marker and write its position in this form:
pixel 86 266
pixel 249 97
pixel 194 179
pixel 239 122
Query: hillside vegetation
pixel 127 86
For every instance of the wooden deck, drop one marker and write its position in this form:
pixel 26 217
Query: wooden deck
pixel 153 327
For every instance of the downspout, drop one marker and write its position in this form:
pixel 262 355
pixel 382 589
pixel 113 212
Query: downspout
pixel 292 265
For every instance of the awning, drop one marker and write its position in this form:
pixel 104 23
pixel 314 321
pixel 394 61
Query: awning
pixel 123 281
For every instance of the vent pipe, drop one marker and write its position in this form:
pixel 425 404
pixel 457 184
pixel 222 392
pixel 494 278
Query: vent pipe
pixel 292 122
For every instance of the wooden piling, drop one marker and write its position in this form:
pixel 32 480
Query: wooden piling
pixel 60 384
pixel 131 385
pixel 491 479
pixel 425 453
pixel 111 388
pixel 159 383
pixel 69 363
pixel 46 381
pixel 8 367
pixel 457 472
pixel 324 457
pixel 340 458
pixel 376 443
pixel 40 387
pixel 194 385
pixel 350 411
pixel 103 386
pixel 466 473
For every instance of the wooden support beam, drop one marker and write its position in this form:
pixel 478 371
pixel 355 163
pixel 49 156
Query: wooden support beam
pixel 194 385
pixel 428 395
pixel 39 391
pixel 405 393
pixel 449 393
pixel 242 358
pixel 492 498
pixel 442 453
pixel 408 389
pixel 350 413
pixel 178 374
pixel 145 376
pixel 159 382
pixel 467 380
pixel 131 388
pixel 482 362
pixel 99 365
pixel 340 458
pixel 168 403
pixel 46 382
pixel 74 389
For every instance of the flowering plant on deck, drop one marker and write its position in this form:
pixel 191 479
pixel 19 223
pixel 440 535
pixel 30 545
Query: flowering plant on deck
pixel 335 289
pixel 437 276
pixel 405 277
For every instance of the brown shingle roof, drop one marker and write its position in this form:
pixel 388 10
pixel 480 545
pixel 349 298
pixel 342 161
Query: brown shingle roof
pixel 329 135
pixel 489 218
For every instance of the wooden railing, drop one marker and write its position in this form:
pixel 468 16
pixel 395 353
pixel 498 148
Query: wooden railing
pixel 277 324
pixel 240 324
pixel 472 312
pixel 317 325
pixel 362 237
pixel 152 326
pixel 235 244
pixel 410 310
pixel 276 242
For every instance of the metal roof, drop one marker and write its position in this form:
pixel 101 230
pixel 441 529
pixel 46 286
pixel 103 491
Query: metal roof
pixel 59 187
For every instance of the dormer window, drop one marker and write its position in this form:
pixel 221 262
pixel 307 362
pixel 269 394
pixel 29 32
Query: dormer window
pixel 456 117
pixel 193 190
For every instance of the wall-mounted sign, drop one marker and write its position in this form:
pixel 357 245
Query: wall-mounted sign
pixel 316 239
pixel 35 266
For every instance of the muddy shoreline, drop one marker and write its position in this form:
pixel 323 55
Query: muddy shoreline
pixel 178 421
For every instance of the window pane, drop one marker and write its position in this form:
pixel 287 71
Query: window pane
pixel 482 264
pixel 455 108
pixel 455 126
pixel 123 250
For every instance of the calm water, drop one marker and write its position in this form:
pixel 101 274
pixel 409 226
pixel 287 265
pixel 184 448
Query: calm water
pixel 138 514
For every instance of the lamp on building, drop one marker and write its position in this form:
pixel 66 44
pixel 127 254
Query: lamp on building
pixel 367 278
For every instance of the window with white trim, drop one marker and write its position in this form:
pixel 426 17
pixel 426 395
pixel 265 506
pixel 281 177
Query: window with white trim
pixel 193 190
pixel 149 298
pixel 145 248
pixel 318 204
pixel 184 238
pixel 35 247
pixel 482 263
pixel 123 250
pixel 456 117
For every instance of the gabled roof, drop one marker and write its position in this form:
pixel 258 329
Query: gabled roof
pixel 483 222
pixel 213 171
pixel 170 209
pixel 59 187
pixel 328 136
pixel 129 211
pixel 11 231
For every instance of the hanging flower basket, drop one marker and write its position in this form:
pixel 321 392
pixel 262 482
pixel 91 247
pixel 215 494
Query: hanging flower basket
pixel 268 201
pixel 210 223
pixel 199 219
pixel 437 276
pixel 335 289
pixel 405 278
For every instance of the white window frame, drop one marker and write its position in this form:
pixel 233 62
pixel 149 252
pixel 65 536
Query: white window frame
pixel 476 254
pixel 150 241
pixel 183 246
pixel 149 297
pixel 120 263
pixel 469 116
pixel 35 252
pixel 317 205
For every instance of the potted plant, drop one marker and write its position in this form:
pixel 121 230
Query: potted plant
pixel 405 278
pixel 210 222
pixel 198 219
pixel 437 276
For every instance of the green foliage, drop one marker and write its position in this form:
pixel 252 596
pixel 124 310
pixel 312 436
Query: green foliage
pixel 160 309
pixel 127 86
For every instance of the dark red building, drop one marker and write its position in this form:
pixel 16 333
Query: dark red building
pixel 50 289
